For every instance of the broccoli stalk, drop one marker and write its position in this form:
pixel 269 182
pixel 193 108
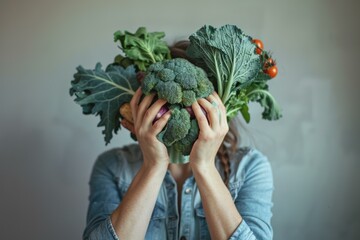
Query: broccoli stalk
pixel 177 156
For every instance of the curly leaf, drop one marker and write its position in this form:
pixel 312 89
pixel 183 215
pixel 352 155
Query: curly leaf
pixel 142 47
pixel 272 110
pixel 102 93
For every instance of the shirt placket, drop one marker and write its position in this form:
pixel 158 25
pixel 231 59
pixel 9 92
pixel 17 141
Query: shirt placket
pixel 173 217
pixel 186 210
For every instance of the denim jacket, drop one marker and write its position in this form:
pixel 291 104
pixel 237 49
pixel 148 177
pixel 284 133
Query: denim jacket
pixel 250 185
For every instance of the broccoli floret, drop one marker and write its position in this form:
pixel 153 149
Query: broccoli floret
pixel 149 83
pixel 177 127
pixel 184 145
pixel 163 89
pixel 155 67
pixel 166 74
pixel 186 80
pixel 204 88
pixel 188 97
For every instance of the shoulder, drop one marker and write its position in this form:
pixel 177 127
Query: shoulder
pixel 121 162
pixel 248 165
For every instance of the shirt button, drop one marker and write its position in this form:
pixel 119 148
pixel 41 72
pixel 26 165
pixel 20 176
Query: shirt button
pixel 188 191
pixel 183 238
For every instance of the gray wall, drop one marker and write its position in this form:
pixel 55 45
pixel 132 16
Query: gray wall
pixel 48 147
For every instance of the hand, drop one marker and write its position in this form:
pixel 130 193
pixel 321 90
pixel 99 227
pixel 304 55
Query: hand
pixel 143 113
pixel 213 130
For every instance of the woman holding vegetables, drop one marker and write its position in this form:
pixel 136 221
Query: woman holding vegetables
pixel 222 192
pixel 136 193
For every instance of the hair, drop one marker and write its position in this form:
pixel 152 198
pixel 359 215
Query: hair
pixel 232 138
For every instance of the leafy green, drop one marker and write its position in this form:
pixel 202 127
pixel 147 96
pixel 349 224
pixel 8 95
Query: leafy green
pixel 225 56
pixel 258 92
pixel 142 47
pixel 238 103
pixel 228 54
pixel 229 57
pixel 102 93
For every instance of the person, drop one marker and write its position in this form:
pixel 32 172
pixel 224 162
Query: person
pixel 223 192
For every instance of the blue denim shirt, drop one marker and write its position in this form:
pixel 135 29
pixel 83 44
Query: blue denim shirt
pixel 250 185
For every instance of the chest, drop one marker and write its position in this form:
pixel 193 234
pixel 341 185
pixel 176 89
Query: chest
pixel 178 214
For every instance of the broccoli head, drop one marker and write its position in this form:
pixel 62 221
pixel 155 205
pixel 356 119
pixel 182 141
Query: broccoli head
pixel 180 83
pixel 177 81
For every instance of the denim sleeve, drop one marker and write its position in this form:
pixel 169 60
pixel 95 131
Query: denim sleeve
pixel 254 200
pixel 103 200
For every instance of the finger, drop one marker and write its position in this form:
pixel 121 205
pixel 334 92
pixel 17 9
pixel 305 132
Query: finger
pixel 200 117
pixel 216 95
pixel 135 102
pixel 160 123
pixel 143 107
pixel 223 117
pixel 152 111
pixel 218 100
pixel 211 98
pixel 212 111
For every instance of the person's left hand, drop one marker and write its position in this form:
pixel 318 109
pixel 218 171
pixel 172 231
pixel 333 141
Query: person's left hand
pixel 213 129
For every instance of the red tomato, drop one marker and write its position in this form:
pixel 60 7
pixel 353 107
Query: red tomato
pixel 271 71
pixel 259 46
pixel 258 43
pixel 258 50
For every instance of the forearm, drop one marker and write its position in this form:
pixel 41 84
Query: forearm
pixel 131 218
pixel 221 213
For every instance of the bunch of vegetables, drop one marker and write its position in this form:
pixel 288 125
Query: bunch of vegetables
pixel 225 60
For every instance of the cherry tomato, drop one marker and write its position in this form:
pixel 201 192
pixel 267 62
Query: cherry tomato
pixel 258 51
pixel 271 71
pixel 259 45
pixel 269 63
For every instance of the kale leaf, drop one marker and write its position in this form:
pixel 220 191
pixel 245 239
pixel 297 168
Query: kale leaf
pixel 102 93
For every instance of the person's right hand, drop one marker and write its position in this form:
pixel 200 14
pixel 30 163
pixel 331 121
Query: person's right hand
pixel 143 113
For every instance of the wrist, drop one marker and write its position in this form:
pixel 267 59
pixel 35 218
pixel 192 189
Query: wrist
pixel 202 168
pixel 155 167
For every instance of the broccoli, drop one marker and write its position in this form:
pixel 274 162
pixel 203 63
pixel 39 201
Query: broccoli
pixel 177 127
pixel 185 144
pixel 180 83
pixel 177 81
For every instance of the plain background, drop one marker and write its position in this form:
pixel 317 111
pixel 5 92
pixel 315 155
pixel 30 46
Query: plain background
pixel 48 147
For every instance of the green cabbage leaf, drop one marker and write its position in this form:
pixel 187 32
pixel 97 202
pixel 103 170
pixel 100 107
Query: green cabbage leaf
pixel 229 57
